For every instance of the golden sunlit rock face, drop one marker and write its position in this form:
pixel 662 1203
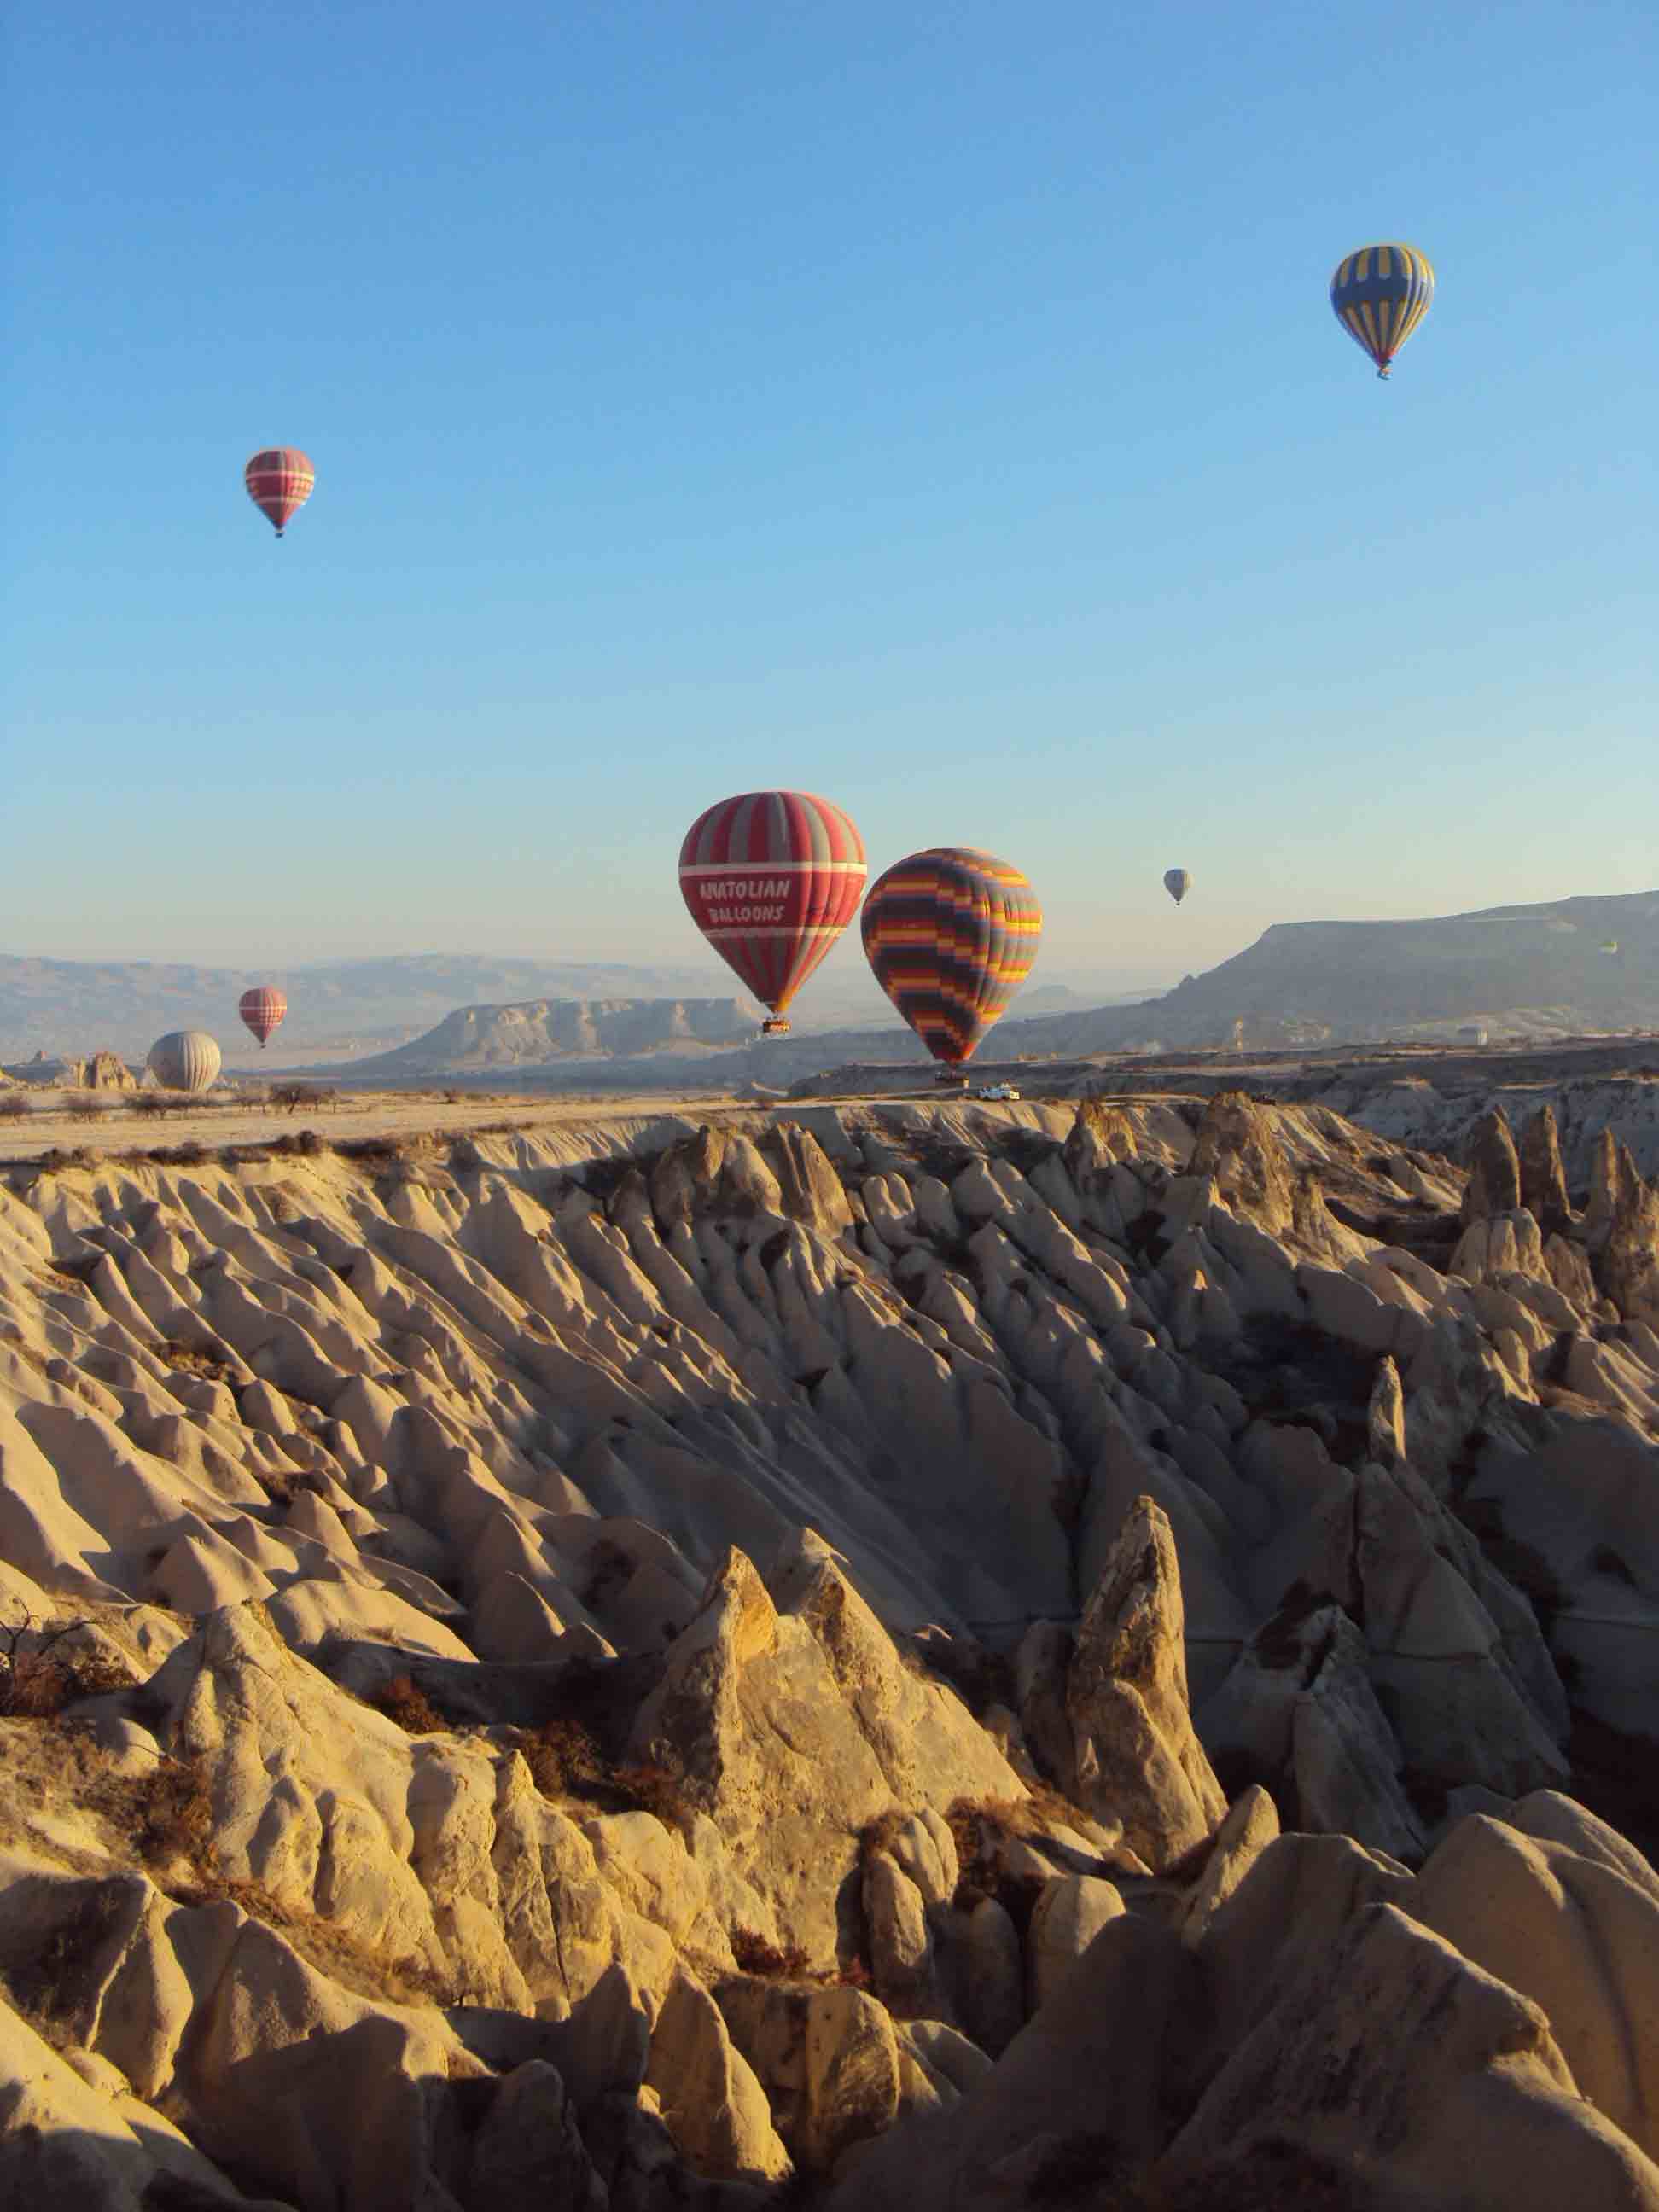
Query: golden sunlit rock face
pixel 905 1656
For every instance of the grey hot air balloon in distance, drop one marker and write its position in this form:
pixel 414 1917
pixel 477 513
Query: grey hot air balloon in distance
pixel 184 1059
pixel 1177 883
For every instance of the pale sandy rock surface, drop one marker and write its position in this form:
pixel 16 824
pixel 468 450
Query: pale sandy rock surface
pixel 604 1662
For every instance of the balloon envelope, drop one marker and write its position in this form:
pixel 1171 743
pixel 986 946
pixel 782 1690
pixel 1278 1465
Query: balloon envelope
pixel 184 1059
pixel 951 934
pixel 279 480
pixel 1380 296
pixel 1177 883
pixel 772 878
pixel 262 1010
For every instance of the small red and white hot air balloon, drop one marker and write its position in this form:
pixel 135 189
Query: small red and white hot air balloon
pixel 262 1010
pixel 279 480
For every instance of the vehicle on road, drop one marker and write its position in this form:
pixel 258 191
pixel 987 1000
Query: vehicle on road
pixel 1004 1092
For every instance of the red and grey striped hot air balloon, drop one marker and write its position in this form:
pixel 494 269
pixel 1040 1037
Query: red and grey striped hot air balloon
pixel 262 1010
pixel 951 934
pixel 772 878
pixel 279 480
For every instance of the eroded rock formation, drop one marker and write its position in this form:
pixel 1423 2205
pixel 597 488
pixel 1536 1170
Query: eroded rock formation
pixel 781 1657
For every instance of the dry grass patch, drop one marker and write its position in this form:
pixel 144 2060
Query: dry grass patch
pixel 331 1949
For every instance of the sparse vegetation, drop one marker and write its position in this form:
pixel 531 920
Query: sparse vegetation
pixel 40 1671
pixel 14 1106
pixel 291 1097
pixel 401 1699
pixel 84 1106
pixel 756 1955
pixel 194 1359
pixel 149 1105
pixel 58 1161
pixel 566 1760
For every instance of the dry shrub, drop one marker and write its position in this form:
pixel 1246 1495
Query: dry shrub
pixel 13 1107
pixel 175 1813
pixel 191 1359
pixel 58 1161
pixel 36 1683
pixel 566 1761
pixel 979 1831
pixel 84 1106
pixel 402 1699
pixel 305 1145
pixel 149 1105
pixel 658 1790
pixel 290 1096
pixel 33 1687
pixel 879 1835
pixel 756 1955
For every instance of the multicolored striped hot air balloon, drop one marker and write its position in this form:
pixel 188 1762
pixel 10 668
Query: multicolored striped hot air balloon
pixel 951 934
pixel 1380 296
pixel 772 878
pixel 279 480
pixel 184 1059
pixel 262 1010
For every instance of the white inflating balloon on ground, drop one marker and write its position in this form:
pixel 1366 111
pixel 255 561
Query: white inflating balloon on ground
pixel 184 1059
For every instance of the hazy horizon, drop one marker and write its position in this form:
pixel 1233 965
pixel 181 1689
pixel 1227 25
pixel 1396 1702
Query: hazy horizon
pixel 936 411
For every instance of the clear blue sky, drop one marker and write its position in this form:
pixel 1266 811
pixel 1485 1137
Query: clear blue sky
pixel 936 406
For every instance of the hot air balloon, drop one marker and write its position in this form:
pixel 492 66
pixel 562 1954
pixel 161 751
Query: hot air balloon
pixel 184 1059
pixel 262 1010
pixel 1380 296
pixel 1177 883
pixel 772 878
pixel 951 934
pixel 279 480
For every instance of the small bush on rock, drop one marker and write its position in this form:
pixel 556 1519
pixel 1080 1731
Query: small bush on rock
pixel 404 1701
pixel 756 1955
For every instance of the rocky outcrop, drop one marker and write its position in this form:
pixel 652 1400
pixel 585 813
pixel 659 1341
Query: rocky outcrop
pixel 1494 1184
pixel 1543 1177
pixel 1135 1756
pixel 607 1666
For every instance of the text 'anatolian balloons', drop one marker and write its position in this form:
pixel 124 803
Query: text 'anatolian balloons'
pixel 772 878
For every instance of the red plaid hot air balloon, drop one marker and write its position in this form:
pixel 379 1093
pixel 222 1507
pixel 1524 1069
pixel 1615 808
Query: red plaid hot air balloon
pixel 279 480
pixel 772 878
pixel 262 1010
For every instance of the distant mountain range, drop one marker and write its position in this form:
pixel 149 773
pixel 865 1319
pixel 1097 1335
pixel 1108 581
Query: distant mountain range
pixel 337 1008
pixel 1578 965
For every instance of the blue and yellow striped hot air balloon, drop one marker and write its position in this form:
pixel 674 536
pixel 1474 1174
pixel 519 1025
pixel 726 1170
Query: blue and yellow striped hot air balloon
pixel 1380 296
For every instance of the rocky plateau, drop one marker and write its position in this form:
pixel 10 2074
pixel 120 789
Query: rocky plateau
pixel 1094 1656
